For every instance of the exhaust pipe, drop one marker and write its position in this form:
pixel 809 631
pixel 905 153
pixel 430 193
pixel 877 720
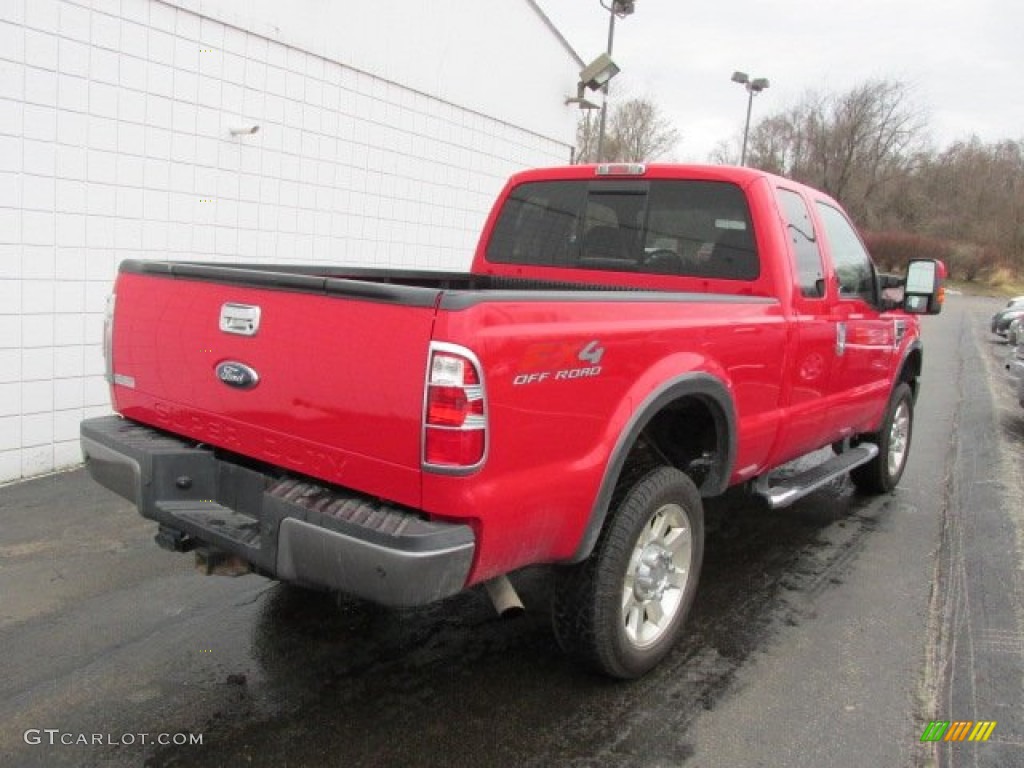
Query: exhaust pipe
pixel 504 597
pixel 213 562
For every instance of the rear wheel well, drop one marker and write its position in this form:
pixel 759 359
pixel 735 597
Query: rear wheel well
pixel 684 434
pixel 689 424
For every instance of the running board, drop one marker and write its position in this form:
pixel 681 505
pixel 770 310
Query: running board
pixel 790 489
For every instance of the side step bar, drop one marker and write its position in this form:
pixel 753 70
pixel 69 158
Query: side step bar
pixel 790 489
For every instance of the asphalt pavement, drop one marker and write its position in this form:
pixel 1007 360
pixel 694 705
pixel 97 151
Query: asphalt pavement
pixel 828 634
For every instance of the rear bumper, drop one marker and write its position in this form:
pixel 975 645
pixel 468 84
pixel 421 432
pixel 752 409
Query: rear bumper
pixel 292 529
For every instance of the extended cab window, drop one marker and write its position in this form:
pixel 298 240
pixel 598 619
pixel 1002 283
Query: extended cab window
pixel 852 262
pixel 675 227
pixel 809 268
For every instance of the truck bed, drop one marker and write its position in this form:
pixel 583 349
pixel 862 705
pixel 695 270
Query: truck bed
pixel 341 354
pixel 375 284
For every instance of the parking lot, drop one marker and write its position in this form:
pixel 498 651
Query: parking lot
pixel 829 633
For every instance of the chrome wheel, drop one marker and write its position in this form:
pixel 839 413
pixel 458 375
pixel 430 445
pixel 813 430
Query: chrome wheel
pixel 656 576
pixel 622 608
pixel 883 472
pixel 899 438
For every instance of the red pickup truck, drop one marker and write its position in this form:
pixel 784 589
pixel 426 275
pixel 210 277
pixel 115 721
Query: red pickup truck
pixel 630 339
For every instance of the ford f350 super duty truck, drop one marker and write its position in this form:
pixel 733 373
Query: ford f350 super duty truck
pixel 629 340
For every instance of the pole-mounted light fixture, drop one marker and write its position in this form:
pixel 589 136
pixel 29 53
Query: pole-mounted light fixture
pixel 756 85
pixel 618 9
pixel 598 72
pixel 753 86
pixel 594 76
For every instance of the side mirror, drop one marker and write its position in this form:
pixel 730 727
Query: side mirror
pixel 924 293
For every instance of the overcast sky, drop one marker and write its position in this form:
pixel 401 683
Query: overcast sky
pixel 963 60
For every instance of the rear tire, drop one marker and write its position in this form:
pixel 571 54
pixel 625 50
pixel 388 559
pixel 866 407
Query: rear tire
pixel 882 474
pixel 622 609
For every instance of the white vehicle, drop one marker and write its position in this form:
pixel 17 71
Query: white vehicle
pixel 1001 320
pixel 1015 331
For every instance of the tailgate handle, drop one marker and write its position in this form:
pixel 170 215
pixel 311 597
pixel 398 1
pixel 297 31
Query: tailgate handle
pixel 240 319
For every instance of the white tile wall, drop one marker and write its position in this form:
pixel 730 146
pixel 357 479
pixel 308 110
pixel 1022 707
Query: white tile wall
pixel 115 143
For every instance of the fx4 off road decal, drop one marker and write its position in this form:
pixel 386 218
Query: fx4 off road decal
pixel 559 361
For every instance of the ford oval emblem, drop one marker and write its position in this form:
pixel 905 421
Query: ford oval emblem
pixel 237 375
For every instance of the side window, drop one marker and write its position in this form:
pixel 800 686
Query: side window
pixel 853 264
pixel 809 268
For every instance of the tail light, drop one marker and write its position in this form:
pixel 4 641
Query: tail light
pixel 111 377
pixel 454 411
pixel 108 339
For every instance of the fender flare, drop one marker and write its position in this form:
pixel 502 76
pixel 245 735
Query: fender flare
pixel 912 347
pixel 700 385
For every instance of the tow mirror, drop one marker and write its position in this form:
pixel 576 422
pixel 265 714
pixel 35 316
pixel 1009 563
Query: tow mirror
pixel 924 292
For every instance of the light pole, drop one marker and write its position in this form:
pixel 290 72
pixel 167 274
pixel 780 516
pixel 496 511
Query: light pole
pixel 753 86
pixel 622 9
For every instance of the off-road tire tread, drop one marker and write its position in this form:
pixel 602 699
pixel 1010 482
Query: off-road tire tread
pixel 873 477
pixel 586 600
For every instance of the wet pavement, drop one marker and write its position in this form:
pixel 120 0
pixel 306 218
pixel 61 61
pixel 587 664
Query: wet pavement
pixel 826 634
pixel 980 600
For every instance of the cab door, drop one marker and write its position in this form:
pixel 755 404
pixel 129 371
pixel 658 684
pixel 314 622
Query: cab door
pixel 809 376
pixel 865 344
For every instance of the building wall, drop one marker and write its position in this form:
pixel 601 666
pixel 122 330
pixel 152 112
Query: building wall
pixel 372 149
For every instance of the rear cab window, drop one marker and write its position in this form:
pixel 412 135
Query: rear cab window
pixel 661 226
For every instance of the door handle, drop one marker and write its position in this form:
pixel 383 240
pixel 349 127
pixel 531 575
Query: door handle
pixel 840 339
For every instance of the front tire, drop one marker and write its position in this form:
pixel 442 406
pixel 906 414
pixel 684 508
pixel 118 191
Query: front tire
pixel 882 474
pixel 622 609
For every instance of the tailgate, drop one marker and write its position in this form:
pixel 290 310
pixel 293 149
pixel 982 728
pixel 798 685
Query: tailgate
pixel 329 384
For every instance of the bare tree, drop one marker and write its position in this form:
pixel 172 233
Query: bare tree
pixel 586 136
pixel 779 143
pixel 636 132
pixel 974 192
pixel 640 132
pixel 867 148
pixel 851 145
pixel 726 152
